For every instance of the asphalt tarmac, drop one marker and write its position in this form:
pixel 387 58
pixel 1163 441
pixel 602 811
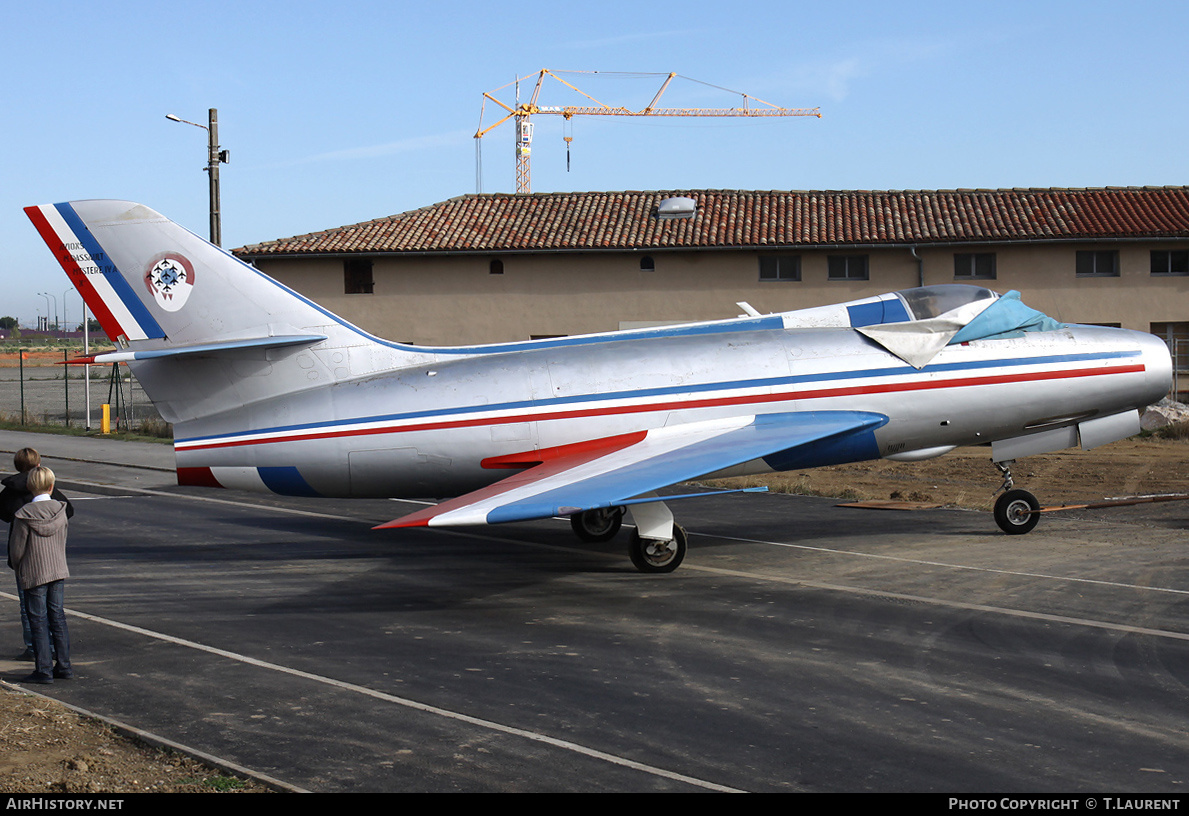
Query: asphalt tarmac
pixel 801 647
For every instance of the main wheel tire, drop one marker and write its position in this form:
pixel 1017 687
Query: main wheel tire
pixel 597 525
pixel 651 555
pixel 1016 512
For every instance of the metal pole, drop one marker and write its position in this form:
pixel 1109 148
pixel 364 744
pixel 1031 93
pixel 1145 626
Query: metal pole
pixel 213 168
pixel 66 380
pixel 214 157
pixel 87 367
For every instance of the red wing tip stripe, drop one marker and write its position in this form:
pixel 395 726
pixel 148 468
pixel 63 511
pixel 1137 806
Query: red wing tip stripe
pixel 419 519
pixel 392 525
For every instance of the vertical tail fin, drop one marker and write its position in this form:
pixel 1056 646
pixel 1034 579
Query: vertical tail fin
pixel 109 295
pixel 147 279
pixel 204 332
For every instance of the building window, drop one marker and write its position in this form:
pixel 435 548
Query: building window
pixel 647 264
pixel 1099 263
pixel 1172 333
pixel 847 267
pixel 496 267
pixel 974 266
pixel 357 276
pixel 1170 262
pixel 780 268
pixel 1176 335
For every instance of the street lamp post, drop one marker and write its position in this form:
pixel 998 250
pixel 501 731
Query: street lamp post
pixel 47 311
pixel 47 297
pixel 215 156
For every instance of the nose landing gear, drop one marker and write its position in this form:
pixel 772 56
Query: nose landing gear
pixel 1016 511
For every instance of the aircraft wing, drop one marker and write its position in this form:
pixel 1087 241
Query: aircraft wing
pixel 619 470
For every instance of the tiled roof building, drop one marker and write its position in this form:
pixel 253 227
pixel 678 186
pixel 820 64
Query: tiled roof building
pixel 733 219
pixel 491 267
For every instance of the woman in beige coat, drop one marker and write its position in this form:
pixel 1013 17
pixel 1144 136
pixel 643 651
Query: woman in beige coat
pixel 37 551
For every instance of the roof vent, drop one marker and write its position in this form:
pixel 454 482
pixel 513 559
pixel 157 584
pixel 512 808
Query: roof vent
pixel 676 207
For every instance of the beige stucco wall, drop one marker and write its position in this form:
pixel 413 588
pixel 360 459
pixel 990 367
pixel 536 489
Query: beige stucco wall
pixel 1046 278
pixel 455 300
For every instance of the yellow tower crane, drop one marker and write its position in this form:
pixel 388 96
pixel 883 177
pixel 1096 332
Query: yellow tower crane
pixel 522 111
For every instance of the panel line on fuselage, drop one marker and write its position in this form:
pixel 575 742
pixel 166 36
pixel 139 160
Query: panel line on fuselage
pixel 608 404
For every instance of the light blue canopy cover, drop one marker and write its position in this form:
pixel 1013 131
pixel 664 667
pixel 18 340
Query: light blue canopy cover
pixel 1005 317
pixel 950 314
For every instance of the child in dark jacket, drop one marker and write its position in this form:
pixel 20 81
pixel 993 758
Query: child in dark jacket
pixel 13 497
pixel 37 551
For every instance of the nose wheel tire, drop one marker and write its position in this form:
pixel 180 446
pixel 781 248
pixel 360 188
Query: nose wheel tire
pixel 652 555
pixel 597 525
pixel 1016 512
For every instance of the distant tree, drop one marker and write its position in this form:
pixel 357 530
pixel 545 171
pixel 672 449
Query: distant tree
pixel 92 325
pixel 8 322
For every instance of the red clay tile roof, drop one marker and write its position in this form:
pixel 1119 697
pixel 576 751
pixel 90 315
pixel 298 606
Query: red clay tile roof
pixel 504 222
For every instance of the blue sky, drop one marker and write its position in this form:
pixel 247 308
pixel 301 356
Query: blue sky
pixel 338 113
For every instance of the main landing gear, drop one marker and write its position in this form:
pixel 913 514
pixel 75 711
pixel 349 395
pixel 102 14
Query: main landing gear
pixel 597 525
pixel 657 544
pixel 658 555
pixel 1016 511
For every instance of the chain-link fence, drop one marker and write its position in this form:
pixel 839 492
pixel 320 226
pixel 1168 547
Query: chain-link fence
pixel 36 388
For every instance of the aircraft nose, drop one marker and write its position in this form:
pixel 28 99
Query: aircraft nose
pixel 1157 368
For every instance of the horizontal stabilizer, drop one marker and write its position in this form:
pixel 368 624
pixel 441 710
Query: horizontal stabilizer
pixel 203 349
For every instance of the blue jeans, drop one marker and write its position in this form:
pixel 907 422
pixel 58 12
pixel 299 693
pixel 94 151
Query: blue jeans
pixel 47 623
pixel 25 633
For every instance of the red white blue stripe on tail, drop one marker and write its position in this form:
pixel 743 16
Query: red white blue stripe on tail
pixel 106 291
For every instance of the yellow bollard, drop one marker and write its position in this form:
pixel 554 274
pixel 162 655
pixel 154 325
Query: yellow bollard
pixel 105 424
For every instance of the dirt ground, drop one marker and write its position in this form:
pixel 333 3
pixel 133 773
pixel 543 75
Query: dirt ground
pixel 49 748
pixel 966 477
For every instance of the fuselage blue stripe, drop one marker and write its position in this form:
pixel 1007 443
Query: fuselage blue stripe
pixel 670 390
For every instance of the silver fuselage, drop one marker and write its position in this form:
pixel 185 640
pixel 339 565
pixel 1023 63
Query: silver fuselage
pixel 425 430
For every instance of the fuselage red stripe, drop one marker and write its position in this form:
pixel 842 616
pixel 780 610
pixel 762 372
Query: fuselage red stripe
pixel 755 399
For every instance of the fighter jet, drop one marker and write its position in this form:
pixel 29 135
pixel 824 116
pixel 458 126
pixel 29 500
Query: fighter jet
pixel 269 391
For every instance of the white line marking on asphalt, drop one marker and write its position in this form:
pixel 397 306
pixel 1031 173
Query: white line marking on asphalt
pixel 379 695
pixel 1019 613
pixel 404 701
pixel 922 562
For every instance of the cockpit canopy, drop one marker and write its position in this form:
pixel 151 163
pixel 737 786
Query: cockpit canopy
pixel 916 324
pixel 933 301
pixel 938 316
